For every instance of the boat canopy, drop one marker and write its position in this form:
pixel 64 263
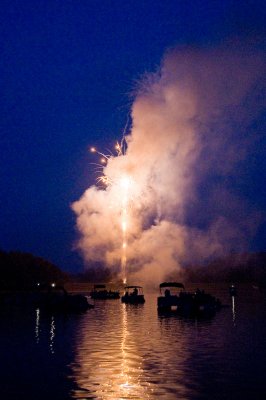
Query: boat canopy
pixel 99 286
pixel 172 284
pixel 133 287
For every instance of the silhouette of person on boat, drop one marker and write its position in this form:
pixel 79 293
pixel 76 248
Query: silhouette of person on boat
pixel 133 295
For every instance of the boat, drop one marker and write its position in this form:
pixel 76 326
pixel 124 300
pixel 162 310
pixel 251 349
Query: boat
pixel 175 298
pixel 56 298
pixel 100 292
pixel 133 295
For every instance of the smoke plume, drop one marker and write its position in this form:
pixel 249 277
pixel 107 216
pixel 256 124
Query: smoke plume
pixel 187 153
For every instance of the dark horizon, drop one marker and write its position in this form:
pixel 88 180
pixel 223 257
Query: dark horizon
pixel 24 271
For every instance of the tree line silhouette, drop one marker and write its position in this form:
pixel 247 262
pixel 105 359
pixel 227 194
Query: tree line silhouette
pixel 243 267
pixel 21 271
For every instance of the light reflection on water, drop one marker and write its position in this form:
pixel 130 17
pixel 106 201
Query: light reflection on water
pixel 108 364
pixel 127 353
pixel 52 328
pixel 117 351
pixel 234 309
pixel 52 334
pixel 37 325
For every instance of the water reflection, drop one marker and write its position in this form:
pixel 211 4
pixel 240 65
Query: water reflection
pixel 122 351
pixel 51 325
pixel 52 334
pixel 37 326
pixel 127 352
pixel 175 351
pixel 118 351
pixel 108 363
pixel 233 310
pixel 133 383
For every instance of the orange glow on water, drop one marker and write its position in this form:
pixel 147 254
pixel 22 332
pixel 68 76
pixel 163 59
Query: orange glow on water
pixel 111 373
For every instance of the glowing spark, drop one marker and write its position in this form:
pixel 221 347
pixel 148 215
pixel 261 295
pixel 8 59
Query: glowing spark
pixel 103 179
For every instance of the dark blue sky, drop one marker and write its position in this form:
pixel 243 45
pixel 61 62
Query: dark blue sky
pixel 67 71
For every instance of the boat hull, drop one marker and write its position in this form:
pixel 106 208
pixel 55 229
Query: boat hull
pixel 131 299
pixel 188 304
pixel 105 295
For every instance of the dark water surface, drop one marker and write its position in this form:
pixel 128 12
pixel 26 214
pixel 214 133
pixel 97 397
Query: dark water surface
pixel 118 351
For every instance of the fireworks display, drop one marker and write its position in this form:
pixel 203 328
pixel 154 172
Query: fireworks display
pixel 164 198
pixel 122 184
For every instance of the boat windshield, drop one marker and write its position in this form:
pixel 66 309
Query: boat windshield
pixel 171 288
pixel 136 290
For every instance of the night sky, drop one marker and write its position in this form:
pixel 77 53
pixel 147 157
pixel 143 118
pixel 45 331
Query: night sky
pixel 68 73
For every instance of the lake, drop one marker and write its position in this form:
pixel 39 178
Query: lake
pixel 118 351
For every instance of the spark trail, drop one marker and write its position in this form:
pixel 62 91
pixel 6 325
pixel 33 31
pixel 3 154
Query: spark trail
pixel 123 185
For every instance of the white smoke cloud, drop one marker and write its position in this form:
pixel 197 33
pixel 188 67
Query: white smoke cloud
pixel 189 135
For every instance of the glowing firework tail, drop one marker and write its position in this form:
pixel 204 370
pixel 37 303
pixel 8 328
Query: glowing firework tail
pixel 123 184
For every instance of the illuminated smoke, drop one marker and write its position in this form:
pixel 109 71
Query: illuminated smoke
pixel 121 184
pixel 186 151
